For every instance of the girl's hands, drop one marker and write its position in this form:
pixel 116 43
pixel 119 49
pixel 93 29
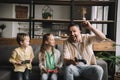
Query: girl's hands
pixel 56 70
pixel 44 70
pixel 50 71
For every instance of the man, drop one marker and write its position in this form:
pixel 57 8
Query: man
pixel 79 58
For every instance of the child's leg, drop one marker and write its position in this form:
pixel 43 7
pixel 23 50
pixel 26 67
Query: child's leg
pixel 19 75
pixel 53 76
pixel 27 74
pixel 44 76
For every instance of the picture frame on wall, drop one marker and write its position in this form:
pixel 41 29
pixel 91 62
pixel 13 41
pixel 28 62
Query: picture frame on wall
pixel 21 11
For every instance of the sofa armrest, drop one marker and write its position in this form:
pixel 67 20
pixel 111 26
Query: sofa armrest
pixel 104 65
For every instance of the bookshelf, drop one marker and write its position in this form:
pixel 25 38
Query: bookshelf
pixel 111 21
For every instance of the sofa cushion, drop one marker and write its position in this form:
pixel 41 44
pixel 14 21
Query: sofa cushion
pixel 6 68
pixel 104 65
pixel 60 47
pixel 5 53
pixel 5 75
pixel 36 49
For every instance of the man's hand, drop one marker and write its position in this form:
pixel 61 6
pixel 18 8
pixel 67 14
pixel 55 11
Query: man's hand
pixel 81 60
pixel 73 62
pixel 70 61
pixel 86 24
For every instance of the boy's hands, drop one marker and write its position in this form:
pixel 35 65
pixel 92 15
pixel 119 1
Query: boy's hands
pixel 26 61
pixel 23 62
pixel 19 63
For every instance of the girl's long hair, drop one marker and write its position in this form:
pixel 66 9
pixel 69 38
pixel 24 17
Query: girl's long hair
pixel 44 45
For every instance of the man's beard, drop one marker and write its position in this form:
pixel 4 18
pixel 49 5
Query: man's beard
pixel 74 38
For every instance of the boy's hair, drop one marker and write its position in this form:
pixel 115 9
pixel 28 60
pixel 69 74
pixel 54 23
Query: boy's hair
pixel 20 37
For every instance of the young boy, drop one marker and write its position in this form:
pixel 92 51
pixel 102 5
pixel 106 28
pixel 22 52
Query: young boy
pixel 22 57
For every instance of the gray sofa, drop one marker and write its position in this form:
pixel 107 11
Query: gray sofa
pixel 6 68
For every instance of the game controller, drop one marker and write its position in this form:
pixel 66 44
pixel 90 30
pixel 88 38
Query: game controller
pixel 81 60
pixel 51 71
pixel 26 61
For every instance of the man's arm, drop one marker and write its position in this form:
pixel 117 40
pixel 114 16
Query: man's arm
pixel 98 33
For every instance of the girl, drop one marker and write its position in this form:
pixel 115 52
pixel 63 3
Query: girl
pixel 50 59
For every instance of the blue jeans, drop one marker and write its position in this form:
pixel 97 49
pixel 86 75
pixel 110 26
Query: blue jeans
pixel 49 76
pixel 89 72
pixel 23 75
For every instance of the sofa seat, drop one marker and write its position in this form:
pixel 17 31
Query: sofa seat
pixel 5 75
pixel 6 68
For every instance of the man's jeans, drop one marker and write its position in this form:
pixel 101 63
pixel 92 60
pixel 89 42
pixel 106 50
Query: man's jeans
pixel 89 72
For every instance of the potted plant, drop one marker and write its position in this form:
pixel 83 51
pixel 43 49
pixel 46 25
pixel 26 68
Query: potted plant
pixel 112 59
pixel 46 15
pixel 117 74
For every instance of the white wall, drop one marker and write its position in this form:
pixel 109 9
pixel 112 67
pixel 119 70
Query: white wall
pixel 6 11
pixel 59 12
pixel 118 31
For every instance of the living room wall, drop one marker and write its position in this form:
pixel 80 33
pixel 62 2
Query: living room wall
pixel 118 31
pixel 8 11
